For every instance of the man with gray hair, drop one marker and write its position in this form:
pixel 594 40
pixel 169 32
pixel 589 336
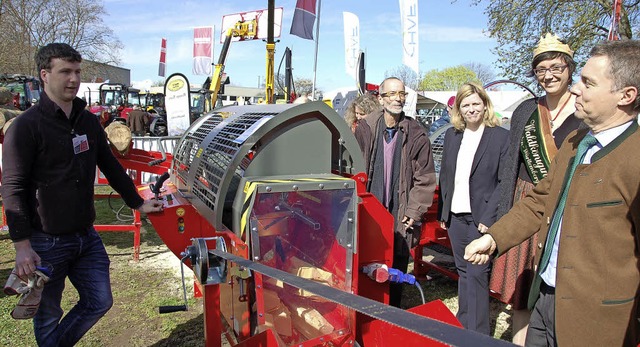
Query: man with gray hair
pixel 400 168
pixel 586 289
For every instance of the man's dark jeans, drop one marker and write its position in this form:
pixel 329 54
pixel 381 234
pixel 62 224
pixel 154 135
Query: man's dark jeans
pixel 84 260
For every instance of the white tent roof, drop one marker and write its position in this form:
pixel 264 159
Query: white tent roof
pixel 504 102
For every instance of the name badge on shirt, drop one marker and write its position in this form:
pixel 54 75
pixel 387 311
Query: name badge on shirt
pixel 80 144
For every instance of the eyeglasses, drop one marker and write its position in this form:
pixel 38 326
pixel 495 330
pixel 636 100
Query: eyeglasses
pixel 554 70
pixel 392 95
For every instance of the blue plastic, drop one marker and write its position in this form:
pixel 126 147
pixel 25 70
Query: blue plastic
pixel 397 276
pixel 45 270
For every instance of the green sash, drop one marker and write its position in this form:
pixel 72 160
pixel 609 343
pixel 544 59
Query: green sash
pixel 537 145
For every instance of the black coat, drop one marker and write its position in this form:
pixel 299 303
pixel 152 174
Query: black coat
pixel 484 178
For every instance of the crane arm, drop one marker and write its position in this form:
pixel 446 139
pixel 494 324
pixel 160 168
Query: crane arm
pixel 240 29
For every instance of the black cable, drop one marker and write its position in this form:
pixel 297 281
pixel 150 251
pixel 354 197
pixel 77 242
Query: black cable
pixel 278 73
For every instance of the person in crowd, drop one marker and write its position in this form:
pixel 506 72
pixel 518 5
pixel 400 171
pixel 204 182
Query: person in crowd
pixel 444 119
pixel 359 108
pixel 302 98
pixel 8 111
pixel 400 169
pixel 538 128
pixel 138 121
pixel 366 104
pixel 49 160
pixel 350 115
pixel 474 150
pixel 586 212
pixel 362 106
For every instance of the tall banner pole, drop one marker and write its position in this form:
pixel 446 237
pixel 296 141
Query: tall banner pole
pixel 315 58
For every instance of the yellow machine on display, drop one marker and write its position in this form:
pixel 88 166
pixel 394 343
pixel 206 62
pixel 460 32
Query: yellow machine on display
pixel 242 30
pixel 247 30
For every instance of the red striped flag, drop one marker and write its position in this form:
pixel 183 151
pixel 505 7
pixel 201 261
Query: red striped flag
pixel 202 46
pixel 303 19
pixel 163 58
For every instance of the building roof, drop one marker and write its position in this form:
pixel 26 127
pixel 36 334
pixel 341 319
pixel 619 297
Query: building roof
pixel 504 102
pixel 243 91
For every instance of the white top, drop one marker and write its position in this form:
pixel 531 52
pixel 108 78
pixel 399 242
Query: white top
pixel 460 202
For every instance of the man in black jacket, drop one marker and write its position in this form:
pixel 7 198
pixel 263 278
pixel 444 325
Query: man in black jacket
pixel 49 162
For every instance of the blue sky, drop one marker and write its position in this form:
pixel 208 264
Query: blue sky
pixel 450 34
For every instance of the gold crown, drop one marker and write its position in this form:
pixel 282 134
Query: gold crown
pixel 551 43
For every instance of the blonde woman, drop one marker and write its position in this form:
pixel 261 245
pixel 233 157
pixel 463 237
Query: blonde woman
pixel 474 149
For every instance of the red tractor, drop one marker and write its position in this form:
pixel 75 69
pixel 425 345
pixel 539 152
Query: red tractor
pixel 25 89
pixel 116 101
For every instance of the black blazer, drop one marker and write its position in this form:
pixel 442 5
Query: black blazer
pixel 485 174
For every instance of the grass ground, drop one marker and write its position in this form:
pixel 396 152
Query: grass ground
pixel 139 288
pixel 443 288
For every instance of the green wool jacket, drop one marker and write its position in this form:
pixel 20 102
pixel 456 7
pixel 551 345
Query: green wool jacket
pixel 598 277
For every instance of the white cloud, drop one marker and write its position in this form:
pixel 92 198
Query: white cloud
pixel 142 85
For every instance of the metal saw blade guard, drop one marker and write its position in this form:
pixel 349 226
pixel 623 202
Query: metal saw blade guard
pixel 233 142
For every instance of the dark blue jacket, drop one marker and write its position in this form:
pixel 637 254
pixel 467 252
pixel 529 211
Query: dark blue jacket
pixel 485 174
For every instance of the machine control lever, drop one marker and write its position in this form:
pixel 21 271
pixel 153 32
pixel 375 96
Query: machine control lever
pixel 170 309
pixel 156 162
pixel 161 150
pixel 155 187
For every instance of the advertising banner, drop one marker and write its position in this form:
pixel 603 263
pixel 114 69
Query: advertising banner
pixel 351 43
pixel 410 47
pixel 177 104
pixel 202 50
pixel 304 18
pixel 163 57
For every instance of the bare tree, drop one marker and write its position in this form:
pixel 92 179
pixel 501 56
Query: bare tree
pixel 484 72
pixel 517 25
pixel 26 25
pixel 405 74
pixel 300 85
pixel 304 85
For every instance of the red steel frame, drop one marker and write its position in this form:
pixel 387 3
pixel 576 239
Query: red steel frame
pixel 432 233
pixel 375 238
pixel 137 162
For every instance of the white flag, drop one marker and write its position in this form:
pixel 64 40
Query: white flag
pixel 202 50
pixel 409 18
pixel 351 43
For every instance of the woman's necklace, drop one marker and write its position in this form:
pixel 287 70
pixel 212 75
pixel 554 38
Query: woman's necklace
pixel 553 118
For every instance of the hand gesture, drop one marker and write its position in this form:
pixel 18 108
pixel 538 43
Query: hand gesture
pixel 479 250
pixel 26 258
pixel 151 205
pixel 407 222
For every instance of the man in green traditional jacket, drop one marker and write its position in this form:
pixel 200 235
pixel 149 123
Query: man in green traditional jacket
pixel 587 285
